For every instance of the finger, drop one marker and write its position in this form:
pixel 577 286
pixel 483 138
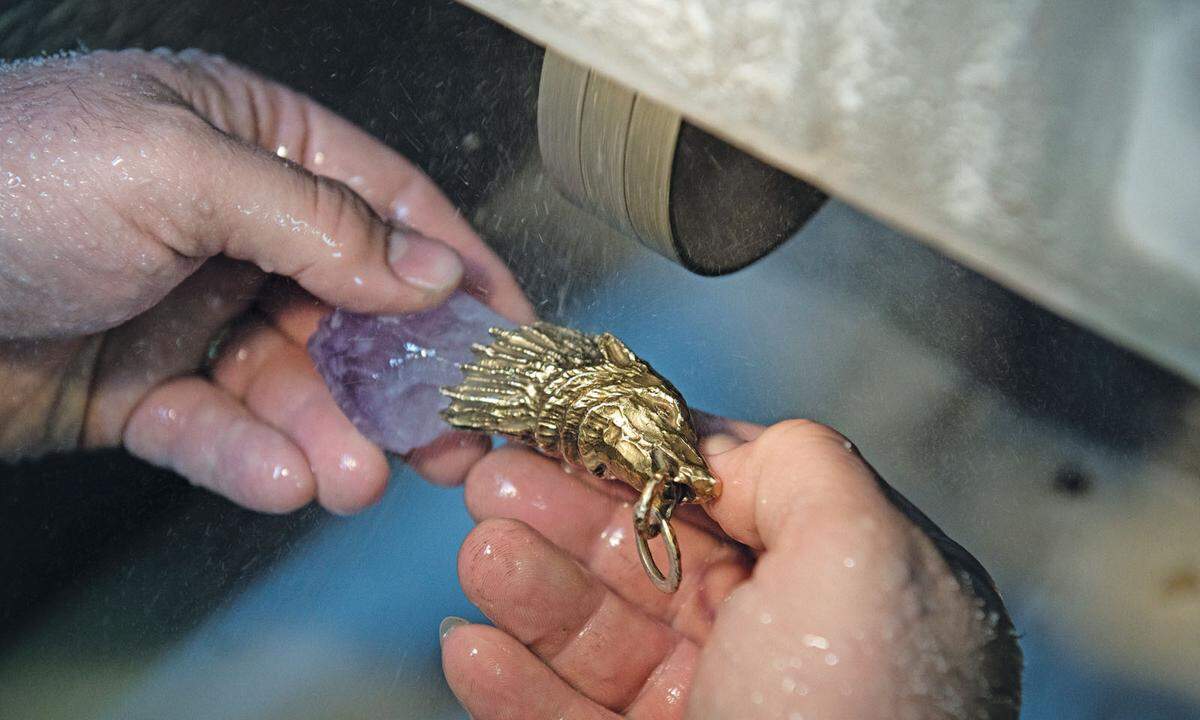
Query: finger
pixel 795 474
pixel 596 641
pixel 289 124
pixel 447 460
pixel 295 312
pixel 624 494
pixel 497 678
pixel 169 340
pixel 597 530
pixel 317 231
pixel 394 187
pixel 276 380
pixel 200 432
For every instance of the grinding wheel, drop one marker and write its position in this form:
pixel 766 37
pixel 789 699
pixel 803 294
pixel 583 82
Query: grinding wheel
pixel 649 174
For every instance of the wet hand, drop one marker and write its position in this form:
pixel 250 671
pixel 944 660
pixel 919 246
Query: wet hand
pixel 809 591
pixel 150 204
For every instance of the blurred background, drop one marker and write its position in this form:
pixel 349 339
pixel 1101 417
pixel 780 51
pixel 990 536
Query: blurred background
pixel 1066 464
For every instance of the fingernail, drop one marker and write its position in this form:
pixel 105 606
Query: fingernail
pixel 448 626
pixel 718 443
pixel 423 263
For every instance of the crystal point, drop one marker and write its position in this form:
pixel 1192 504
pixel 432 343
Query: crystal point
pixel 384 371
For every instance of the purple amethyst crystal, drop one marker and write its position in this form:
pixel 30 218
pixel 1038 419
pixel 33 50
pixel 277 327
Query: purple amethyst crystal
pixel 385 370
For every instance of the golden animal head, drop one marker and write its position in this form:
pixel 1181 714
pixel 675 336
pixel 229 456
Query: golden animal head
pixel 589 400
pixel 643 433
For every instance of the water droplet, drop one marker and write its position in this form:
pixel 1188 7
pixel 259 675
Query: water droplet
pixel 765 618
pixel 816 641
pixel 487 549
pixel 280 472
pixel 614 536
pixel 831 659
pixel 347 462
pixel 319 158
pixel 673 694
pixel 117 160
pixel 281 151
pixel 358 281
pixel 848 562
pixel 507 489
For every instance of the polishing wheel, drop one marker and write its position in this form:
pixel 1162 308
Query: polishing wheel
pixel 650 175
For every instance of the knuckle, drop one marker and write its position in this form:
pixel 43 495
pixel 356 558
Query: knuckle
pixel 338 212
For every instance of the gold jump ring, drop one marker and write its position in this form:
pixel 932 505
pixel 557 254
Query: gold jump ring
pixel 669 582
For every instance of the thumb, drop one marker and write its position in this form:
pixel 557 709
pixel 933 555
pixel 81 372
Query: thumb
pixel 318 231
pixel 794 474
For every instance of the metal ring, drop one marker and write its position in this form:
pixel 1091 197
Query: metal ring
pixel 668 583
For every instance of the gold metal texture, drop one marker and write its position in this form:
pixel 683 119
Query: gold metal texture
pixel 588 400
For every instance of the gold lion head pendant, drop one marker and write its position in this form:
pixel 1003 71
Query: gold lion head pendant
pixel 588 400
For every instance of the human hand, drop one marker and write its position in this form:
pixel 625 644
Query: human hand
pixel 809 591
pixel 144 201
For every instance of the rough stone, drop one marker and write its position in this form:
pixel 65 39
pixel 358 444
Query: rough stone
pixel 384 371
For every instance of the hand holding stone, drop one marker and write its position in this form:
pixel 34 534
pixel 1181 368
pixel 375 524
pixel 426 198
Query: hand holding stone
pixel 145 198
